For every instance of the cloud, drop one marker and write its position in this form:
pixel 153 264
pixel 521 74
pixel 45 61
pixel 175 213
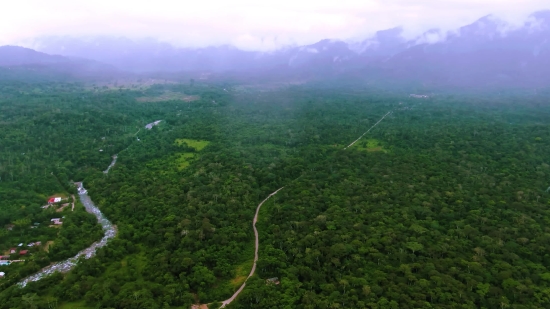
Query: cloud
pixel 255 25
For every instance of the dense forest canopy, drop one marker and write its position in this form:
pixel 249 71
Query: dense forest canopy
pixel 444 204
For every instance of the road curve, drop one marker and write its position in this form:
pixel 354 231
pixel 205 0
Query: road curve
pixel 229 300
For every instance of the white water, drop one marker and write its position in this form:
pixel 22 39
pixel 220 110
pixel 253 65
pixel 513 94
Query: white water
pixel 111 165
pixel 65 266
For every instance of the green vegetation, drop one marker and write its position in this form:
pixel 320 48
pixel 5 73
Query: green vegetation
pixel 243 270
pixel 184 160
pixel 370 145
pixel 74 305
pixel 195 144
pixel 444 206
pixel 169 96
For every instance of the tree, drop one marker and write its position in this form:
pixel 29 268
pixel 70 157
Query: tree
pixel 414 246
pixel 30 299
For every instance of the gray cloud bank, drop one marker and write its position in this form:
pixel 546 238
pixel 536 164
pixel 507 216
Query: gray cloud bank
pixel 251 25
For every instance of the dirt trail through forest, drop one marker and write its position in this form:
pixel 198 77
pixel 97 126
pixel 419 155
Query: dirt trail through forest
pixel 228 301
pixel 355 141
pixel 257 244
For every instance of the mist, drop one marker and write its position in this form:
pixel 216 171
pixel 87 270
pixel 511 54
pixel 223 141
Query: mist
pixel 459 43
pixel 246 24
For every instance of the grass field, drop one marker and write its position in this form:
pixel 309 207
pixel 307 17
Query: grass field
pixel 241 273
pixel 198 145
pixel 370 145
pixel 184 160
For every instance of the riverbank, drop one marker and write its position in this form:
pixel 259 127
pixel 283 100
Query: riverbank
pixel 67 265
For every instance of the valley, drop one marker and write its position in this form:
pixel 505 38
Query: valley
pixel 434 197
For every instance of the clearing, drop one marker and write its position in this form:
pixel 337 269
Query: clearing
pixel 198 145
pixel 184 160
pixel 370 145
pixel 47 245
pixel 61 195
pixel 241 273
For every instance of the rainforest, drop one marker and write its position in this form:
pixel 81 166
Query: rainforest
pixel 360 197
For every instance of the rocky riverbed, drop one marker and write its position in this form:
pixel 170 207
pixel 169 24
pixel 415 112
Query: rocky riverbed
pixel 66 265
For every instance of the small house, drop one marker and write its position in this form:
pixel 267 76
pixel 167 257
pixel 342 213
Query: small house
pixel 20 245
pixel 23 252
pixel 10 227
pixel 13 250
pixel 2 274
pixel 32 244
pixel 274 280
pixel 4 263
pixel 54 200
pixel 56 221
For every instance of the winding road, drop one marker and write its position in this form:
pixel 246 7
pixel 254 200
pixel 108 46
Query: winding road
pixel 257 244
pixel 110 232
pixel 232 298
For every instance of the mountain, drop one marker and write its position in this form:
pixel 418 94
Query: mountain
pixel 486 52
pixel 26 64
pixel 16 56
pixel 152 55
pixel 482 53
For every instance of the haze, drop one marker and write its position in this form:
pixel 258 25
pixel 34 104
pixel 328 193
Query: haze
pixel 248 25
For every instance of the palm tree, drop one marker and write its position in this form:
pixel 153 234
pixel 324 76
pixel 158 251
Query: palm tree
pixel 30 299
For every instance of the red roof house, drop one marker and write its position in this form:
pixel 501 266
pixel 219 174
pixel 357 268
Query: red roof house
pixel 23 252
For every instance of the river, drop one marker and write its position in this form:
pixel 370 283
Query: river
pixel 66 265
pixel 111 165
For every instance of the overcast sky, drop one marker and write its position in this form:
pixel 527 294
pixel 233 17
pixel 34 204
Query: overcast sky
pixel 257 24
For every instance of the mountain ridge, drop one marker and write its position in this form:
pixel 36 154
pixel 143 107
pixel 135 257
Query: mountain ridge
pixel 487 51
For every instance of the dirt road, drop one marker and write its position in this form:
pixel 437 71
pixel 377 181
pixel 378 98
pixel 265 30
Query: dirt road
pixel 355 141
pixel 228 301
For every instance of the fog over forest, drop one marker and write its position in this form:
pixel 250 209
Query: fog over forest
pixel 487 52
pixel 286 155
